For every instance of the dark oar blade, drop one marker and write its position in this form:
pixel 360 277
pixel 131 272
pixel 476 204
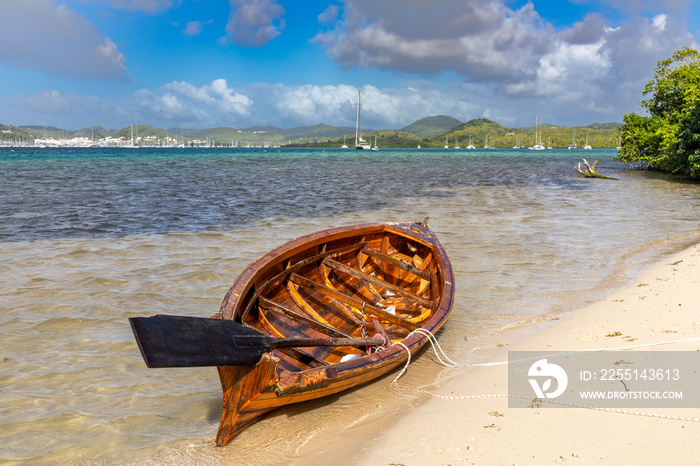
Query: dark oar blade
pixel 178 341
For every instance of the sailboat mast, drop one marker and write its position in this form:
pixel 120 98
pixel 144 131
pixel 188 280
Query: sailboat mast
pixel 357 126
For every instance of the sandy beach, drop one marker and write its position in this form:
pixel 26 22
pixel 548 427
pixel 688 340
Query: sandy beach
pixel 656 312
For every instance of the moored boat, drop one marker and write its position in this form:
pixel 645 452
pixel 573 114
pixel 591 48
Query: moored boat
pixel 360 143
pixel 392 283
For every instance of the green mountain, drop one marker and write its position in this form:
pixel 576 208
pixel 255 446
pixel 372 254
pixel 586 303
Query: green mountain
pixel 265 134
pixel 432 126
pixel 15 133
pixel 48 129
pixel 600 135
pixel 142 131
pixel 96 132
pixel 384 138
pixel 603 126
pixel 429 132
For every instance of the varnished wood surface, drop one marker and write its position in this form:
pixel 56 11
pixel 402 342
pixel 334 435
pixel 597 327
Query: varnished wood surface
pixel 358 281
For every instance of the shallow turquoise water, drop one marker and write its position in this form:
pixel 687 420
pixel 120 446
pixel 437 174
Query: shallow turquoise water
pixel 89 238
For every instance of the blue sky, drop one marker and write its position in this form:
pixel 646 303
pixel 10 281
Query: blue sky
pixel 240 63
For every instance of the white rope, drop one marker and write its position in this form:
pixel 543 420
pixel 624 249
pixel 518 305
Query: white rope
pixel 540 400
pixel 436 347
pixel 407 362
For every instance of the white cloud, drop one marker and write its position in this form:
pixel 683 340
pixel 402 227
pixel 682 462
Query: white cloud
pixel 329 14
pixel 167 109
pixel 287 106
pixel 38 34
pixel 147 6
pixel 588 31
pixel 253 23
pixel 482 39
pixel 659 22
pixel 184 103
pixel 514 55
pixel 510 66
pixel 194 28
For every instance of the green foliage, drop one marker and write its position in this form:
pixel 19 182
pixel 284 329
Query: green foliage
pixel 142 131
pixel 676 82
pixel 267 134
pixel 684 151
pixel 15 133
pixel 640 140
pixel 432 126
pixel 603 126
pixel 385 138
pixel 667 139
pixel 501 137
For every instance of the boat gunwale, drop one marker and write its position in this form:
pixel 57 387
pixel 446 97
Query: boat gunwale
pixel 232 304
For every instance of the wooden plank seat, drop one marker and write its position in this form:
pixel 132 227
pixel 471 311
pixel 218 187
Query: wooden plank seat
pixel 377 282
pixel 396 262
pixel 295 267
pixel 303 357
pixel 280 325
pixel 355 302
pixel 307 321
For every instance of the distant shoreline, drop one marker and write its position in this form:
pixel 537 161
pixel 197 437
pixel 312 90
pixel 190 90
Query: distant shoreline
pixel 6 145
pixel 431 132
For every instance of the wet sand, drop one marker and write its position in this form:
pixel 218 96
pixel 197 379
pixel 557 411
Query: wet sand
pixel 659 308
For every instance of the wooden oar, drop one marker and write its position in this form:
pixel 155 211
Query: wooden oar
pixel 180 341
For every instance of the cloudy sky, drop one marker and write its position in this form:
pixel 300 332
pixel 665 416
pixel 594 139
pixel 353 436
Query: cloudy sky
pixel 240 63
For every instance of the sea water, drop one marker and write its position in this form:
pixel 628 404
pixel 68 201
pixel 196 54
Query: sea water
pixel 90 237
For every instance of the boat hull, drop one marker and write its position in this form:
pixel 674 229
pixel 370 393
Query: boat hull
pixel 384 279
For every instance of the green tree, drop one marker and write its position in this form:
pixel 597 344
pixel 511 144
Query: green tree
pixel 673 97
pixel 684 151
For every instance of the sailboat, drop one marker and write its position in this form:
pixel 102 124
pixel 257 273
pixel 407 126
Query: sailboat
pixel 344 146
pixel 538 136
pixel 446 145
pixel 487 145
pixel 360 144
pixel 587 146
pixel 471 145
pixel 457 143
pixel 573 142
pixel 375 143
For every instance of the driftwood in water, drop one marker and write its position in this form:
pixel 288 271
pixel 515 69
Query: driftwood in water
pixel 590 171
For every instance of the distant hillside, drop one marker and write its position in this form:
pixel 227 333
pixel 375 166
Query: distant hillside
pixel 96 132
pixel 261 134
pixel 221 134
pixel 141 131
pixel 558 137
pixel 476 130
pixel 52 129
pixel 384 138
pixel 429 132
pixel 603 126
pixel 15 133
pixel 432 126
pixel 319 130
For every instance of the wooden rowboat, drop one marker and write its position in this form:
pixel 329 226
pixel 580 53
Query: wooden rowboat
pixel 335 287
